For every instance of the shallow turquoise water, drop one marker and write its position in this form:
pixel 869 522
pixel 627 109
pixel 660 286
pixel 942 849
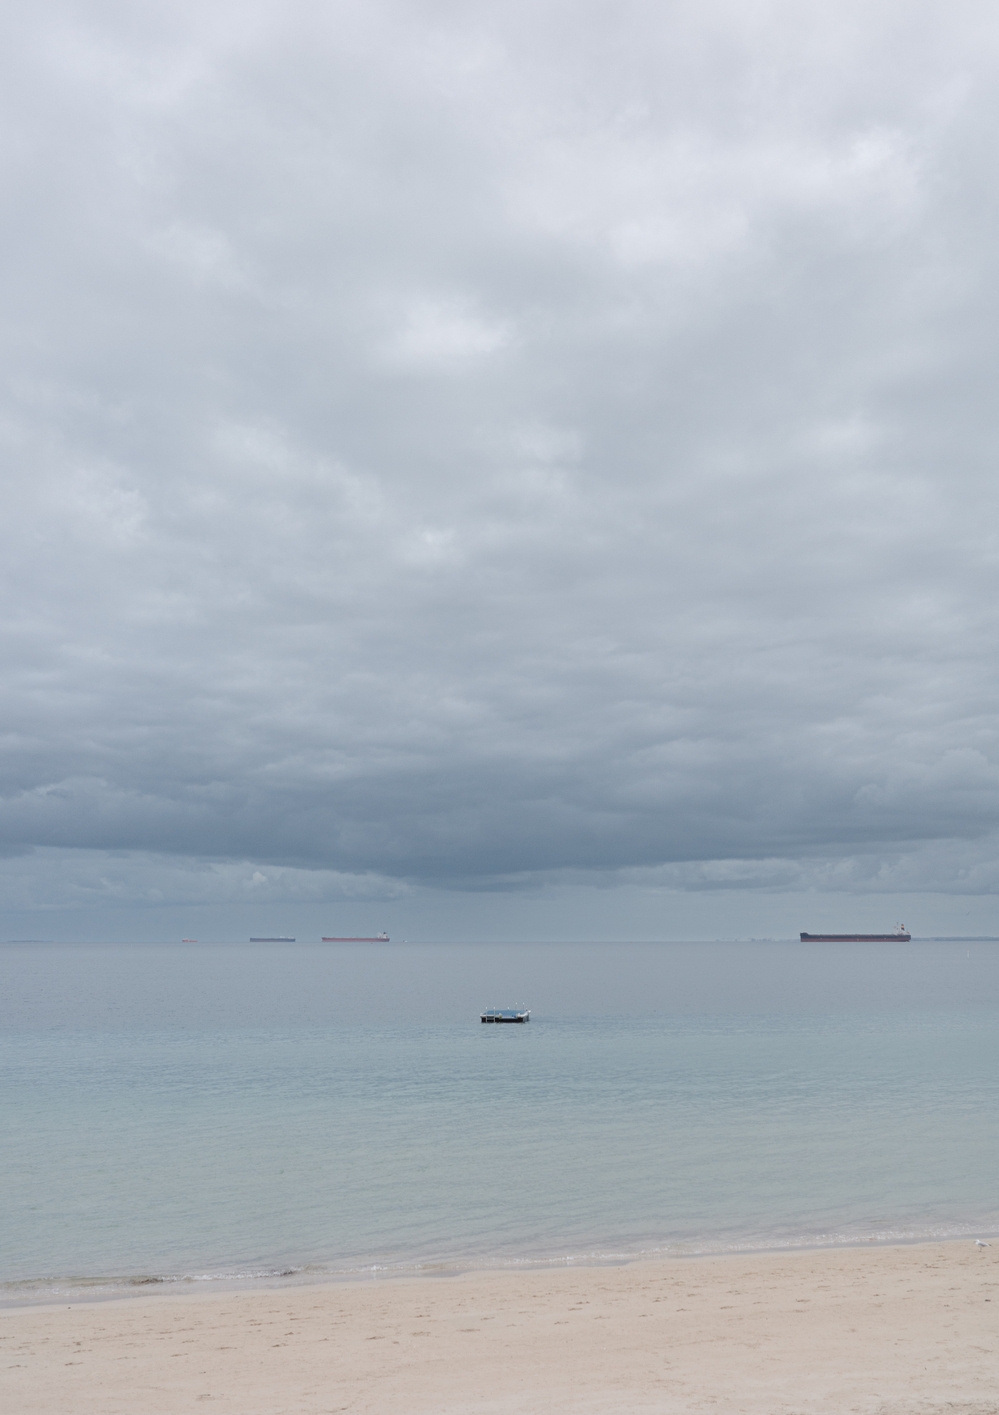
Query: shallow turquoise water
pixel 178 1112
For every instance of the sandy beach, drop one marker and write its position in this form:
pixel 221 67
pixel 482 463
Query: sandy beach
pixel 884 1330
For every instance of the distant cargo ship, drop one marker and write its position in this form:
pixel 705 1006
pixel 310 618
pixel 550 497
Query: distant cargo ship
pixel 899 936
pixel 272 940
pixel 378 938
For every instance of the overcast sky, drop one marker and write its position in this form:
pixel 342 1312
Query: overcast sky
pixel 499 469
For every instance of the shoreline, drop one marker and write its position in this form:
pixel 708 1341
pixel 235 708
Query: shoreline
pixel 870 1329
pixel 100 1290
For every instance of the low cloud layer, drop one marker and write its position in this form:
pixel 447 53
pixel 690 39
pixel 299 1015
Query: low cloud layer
pixel 453 447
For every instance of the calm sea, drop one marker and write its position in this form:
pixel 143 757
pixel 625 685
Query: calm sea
pixel 239 1112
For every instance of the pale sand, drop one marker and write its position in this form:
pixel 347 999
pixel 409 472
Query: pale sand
pixel 874 1330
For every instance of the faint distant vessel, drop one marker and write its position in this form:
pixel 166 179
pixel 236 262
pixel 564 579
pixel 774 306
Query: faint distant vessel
pixel 272 940
pixel 378 938
pixel 504 1014
pixel 189 940
pixel 901 935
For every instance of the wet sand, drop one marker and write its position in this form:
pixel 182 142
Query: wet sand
pixel 878 1330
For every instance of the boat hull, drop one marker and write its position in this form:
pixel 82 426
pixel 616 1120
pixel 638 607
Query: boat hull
pixel 856 938
pixel 378 938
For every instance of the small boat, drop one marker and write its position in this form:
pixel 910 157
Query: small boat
pixel 378 938
pixel 500 1014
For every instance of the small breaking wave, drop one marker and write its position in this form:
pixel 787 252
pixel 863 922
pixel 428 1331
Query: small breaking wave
pixel 80 1288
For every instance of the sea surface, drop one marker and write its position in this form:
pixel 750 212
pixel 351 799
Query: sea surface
pixel 291 1112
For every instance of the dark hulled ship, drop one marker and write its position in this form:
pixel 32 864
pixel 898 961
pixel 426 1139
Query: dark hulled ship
pixel 901 935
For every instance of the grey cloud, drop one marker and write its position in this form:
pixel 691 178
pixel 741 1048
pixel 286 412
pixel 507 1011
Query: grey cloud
pixel 944 867
pixel 55 881
pixel 456 447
